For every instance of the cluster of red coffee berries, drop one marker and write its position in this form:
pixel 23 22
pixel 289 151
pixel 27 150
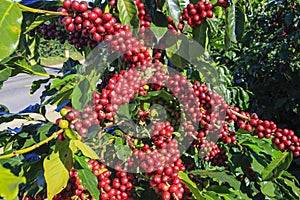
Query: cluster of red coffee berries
pixel 161 151
pixel 119 90
pixel 144 17
pixel 286 139
pixel 263 128
pixel 197 13
pixel 166 182
pixel 283 138
pixel 172 26
pixel 93 24
pixel 112 188
pixel 75 120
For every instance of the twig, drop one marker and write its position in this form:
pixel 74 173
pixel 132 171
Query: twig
pixel 238 114
pixel 34 10
pixel 33 147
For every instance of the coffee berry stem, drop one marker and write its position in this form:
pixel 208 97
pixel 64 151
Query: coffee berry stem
pixel 34 10
pixel 33 147
pixel 238 114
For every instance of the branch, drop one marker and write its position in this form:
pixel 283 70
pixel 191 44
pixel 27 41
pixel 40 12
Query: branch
pixel 34 10
pixel 33 147
pixel 238 114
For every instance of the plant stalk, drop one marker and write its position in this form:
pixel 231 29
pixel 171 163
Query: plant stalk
pixel 33 147
pixel 34 10
pixel 238 114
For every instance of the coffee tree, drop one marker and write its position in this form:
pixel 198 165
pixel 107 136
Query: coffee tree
pixel 148 115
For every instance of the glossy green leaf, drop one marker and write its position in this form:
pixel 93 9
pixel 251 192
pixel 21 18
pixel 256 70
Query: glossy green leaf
pixel 158 32
pixel 80 97
pixel 200 34
pixel 85 149
pixel 127 12
pixel 268 189
pixel 290 190
pixel 122 150
pixel 173 9
pixel 89 181
pixel 149 95
pixel 56 175
pixel 123 111
pixel 239 23
pixel 37 84
pixel 9 183
pixel 22 65
pixel 218 11
pixel 220 175
pixel 82 161
pixel 294 188
pixel 58 82
pixel 62 94
pixel 65 153
pixel 4 75
pixel 277 166
pixel 230 23
pixel 44 130
pixel 191 185
pixel 258 164
pixel 10 27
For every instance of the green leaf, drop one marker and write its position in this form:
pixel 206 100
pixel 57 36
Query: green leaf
pixel 4 75
pixel 213 1
pixel 82 161
pixel 146 106
pixel 243 98
pixel 58 82
pixel 62 94
pixel 239 23
pixel 127 12
pixel 200 33
pixel 44 130
pixel 89 181
pixel 268 189
pixel 191 185
pixel 294 188
pixel 173 9
pixel 122 151
pixel 150 95
pixel 56 175
pixel 277 166
pixel 21 64
pixel 37 84
pixel 257 163
pixel 220 175
pixel 259 146
pixel 65 153
pixel 219 189
pixel 9 183
pixel 86 150
pixel 218 11
pixel 158 32
pixel 79 94
pixel 39 20
pixel 230 23
pixel 10 27
pixel 123 111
